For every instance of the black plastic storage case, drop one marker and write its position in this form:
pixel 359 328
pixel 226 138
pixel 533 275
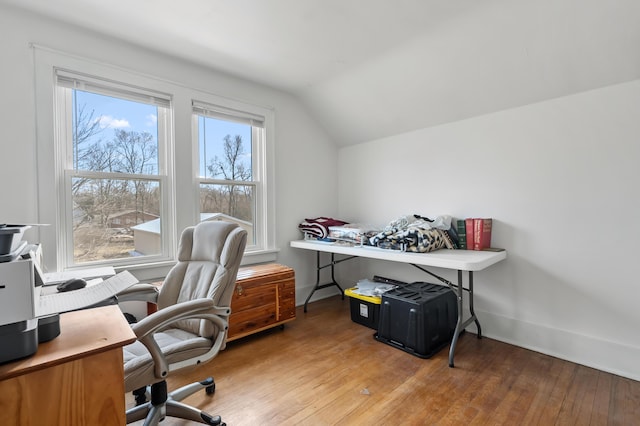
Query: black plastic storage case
pixel 419 318
pixel 365 310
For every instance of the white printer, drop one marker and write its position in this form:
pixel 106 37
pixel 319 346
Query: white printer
pixel 20 330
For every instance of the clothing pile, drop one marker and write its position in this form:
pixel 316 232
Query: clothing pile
pixel 416 233
pixel 319 227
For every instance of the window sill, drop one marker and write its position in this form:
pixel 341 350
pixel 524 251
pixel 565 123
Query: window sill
pixel 259 256
pixel 158 270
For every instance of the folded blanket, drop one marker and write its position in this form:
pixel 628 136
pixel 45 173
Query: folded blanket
pixel 319 227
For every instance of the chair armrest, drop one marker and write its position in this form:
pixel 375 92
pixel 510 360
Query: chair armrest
pixel 193 309
pixel 139 293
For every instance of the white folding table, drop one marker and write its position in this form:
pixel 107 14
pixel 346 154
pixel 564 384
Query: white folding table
pixel 460 260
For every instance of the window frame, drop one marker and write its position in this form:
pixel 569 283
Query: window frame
pixel 66 171
pixel 181 160
pixel 261 121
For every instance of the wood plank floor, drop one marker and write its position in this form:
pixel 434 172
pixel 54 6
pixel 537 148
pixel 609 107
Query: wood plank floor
pixel 324 369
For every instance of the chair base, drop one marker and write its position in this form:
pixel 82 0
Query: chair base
pixel 164 404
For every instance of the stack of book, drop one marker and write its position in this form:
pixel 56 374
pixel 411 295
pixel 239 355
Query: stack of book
pixel 474 233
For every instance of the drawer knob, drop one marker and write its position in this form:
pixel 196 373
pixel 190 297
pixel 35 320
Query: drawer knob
pixel 239 290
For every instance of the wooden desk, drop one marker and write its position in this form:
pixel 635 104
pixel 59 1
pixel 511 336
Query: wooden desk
pixel 460 260
pixel 75 379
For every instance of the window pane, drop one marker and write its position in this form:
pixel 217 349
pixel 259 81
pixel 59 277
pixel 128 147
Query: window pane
pixel 114 135
pixel 225 149
pixel 115 219
pixel 233 203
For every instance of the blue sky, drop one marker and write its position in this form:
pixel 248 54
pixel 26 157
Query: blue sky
pixel 120 114
pixel 115 113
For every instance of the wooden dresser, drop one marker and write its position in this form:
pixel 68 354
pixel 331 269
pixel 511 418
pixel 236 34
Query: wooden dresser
pixel 265 297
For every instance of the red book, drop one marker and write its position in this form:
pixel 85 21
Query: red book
pixel 469 227
pixel 482 233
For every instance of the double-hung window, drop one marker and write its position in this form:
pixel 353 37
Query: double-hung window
pixel 127 161
pixel 111 142
pixel 231 168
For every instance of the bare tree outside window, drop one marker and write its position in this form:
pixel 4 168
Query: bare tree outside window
pixel 105 210
pixel 227 183
pixel 234 200
pixel 110 211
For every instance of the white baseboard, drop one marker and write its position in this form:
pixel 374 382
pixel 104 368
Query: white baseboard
pixel 612 357
pixel 303 293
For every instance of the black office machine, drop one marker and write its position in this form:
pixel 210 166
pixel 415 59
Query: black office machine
pixel 20 330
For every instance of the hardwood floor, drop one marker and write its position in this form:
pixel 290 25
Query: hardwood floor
pixel 324 369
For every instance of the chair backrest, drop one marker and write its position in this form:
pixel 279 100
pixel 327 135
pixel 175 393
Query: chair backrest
pixel 209 256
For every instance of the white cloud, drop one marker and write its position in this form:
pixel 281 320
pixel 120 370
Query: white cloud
pixel 113 123
pixel 152 120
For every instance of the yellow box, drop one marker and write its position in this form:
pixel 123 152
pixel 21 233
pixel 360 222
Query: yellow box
pixel 365 310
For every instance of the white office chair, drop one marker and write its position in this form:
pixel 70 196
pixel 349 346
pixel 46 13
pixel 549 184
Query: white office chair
pixel 190 326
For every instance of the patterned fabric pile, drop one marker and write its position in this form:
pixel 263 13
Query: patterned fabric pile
pixel 415 234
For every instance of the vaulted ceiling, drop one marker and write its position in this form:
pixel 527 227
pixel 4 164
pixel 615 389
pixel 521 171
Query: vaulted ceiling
pixel 367 69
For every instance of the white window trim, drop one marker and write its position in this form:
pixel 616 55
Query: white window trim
pixel 264 250
pixel 54 177
pixel 179 130
pixel 63 142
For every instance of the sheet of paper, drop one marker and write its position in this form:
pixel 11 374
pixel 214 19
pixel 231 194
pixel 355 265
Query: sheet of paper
pixel 54 278
pixel 55 303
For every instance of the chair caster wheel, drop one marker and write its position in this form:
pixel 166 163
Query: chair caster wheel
pixel 210 390
pixel 214 421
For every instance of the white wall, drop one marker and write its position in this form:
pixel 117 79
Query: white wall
pixel 560 178
pixel 302 149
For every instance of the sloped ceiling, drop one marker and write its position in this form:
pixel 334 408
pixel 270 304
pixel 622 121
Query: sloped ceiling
pixel 368 69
